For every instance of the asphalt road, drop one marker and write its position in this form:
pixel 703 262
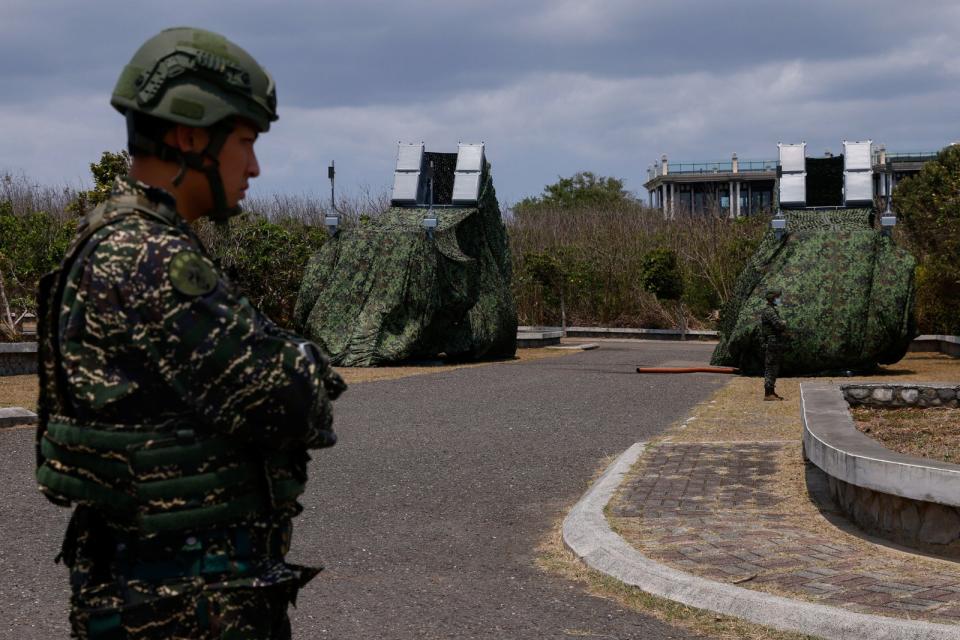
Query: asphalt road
pixel 429 511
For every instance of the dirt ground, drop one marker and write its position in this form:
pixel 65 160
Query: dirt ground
pixel 18 391
pixel 353 375
pixel 932 432
pixel 731 414
pixel 21 391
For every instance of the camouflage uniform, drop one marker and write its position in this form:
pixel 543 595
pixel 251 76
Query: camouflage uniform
pixel 177 418
pixel 772 328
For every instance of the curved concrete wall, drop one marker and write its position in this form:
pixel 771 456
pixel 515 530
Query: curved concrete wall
pixel 911 499
pixel 18 358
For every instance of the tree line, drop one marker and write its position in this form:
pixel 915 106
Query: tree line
pixel 585 251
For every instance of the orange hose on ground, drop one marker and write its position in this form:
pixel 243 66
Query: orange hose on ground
pixel 687 370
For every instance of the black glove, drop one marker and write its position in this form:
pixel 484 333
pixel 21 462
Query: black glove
pixel 333 383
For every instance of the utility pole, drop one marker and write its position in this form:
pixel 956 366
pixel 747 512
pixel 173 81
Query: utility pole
pixel 331 173
pixel 332 219
pixel 430 222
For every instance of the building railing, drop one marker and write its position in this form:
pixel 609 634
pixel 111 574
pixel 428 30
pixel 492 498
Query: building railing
pixel 911 156
pixel 717 167
pixel 758 165
pixel 699 167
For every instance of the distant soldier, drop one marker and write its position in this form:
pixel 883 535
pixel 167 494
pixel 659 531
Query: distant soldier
pixel 772 330
pixel 173 414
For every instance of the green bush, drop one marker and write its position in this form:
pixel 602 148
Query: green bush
pixel 583 189
pixel 928 205
pixel 264 259
pixel 109 168
pixel 661 274
pixel 30 246
pixel 937 305
pixel 543 269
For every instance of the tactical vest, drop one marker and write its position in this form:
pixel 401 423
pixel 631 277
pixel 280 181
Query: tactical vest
pixel 147 479
pixel 768 328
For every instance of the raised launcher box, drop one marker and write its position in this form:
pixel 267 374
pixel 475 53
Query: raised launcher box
pixel 423 178
pixel 857 174
pixel 793 175
pixel 831 181
pixel 419 280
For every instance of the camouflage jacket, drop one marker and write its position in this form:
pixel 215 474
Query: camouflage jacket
pixel 772 326
pixel 148 330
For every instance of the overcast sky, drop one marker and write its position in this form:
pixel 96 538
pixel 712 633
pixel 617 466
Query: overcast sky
pixel 551 87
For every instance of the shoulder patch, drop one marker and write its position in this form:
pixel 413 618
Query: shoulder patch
pixel 191 275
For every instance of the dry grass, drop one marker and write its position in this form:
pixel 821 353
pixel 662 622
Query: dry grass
pixel 932 432
pixel 21 391
pixel 738 413
pixel 600 250
pixel 919 367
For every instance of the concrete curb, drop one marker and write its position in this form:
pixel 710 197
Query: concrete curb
pixel 18 358
pixel 588 535
pixel 949 345
pixel 13 416
pixel 691 335
pixel 527 339
pixel 576 347
pixel 18 347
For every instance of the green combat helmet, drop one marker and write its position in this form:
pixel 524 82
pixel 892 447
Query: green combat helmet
pixel 200 79
pixel 773 293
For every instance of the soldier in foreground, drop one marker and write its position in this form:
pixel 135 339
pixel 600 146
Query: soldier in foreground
pixel 174 416
pixel 772 330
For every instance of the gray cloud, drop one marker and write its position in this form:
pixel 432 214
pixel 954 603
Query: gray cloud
pixel 552 86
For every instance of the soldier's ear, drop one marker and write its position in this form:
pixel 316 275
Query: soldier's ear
pixel 187 139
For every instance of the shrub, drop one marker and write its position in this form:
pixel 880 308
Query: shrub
pixel 661 274
pixel 30 245
pixel 929 208
pixel 937 306
pixel 110 166
pixel 583 189
pixel 264 259
pixel 34 233
pixel 600 252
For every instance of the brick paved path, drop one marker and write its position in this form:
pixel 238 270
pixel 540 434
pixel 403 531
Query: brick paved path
pixel 718 510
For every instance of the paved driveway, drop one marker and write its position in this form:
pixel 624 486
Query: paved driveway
pixel 429 511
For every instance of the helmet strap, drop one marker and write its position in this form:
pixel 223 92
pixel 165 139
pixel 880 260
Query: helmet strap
pixel 177 179
pixel 218 136
pixel 219 132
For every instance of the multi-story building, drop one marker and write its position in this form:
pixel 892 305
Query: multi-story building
pixel 746 187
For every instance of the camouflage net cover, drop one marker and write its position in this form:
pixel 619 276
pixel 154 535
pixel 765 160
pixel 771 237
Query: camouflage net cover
pixel 385 292
pixel 848 295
